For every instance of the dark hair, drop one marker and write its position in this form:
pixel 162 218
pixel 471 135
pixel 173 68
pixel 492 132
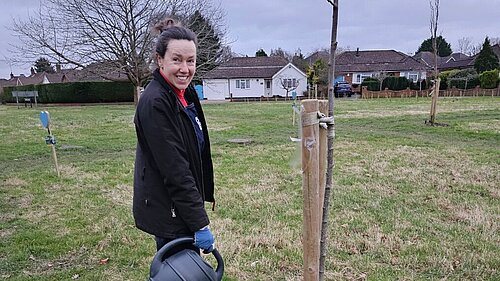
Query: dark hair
pixel 169 30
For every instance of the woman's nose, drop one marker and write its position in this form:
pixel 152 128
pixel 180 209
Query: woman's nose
pixel 184 67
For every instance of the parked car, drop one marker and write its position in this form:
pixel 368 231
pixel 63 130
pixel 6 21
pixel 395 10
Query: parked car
pixel 342 89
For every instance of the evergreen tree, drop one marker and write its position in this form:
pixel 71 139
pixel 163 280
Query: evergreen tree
pixel 260 53
pixel 444 48
pixel 42 64
pixel 210 49
pixel 486 59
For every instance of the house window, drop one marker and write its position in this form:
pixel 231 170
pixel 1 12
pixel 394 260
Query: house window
pixel 360 77
pixel 412 76
pixel 290 83
pixel 243 84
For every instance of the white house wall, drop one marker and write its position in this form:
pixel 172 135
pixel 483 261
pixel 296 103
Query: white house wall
pixel 289 72
pixel 256 89
pixel 215 89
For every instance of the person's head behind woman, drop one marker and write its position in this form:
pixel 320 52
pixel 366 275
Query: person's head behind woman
pixel 176 53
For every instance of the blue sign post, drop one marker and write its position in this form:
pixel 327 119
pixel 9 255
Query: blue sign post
pixel 49 140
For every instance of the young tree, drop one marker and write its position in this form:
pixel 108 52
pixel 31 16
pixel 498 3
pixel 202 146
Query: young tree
pixel 486 59
pixel 434 5
pixel 443 48
pixel 43 65
pixel 115 35
pixel 289 85
pixel 316 74
pixel 260 53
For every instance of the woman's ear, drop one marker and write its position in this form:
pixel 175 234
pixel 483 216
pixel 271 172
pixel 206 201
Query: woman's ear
pixel 159 61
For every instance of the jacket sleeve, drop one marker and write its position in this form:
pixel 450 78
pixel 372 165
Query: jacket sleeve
pixel 163 135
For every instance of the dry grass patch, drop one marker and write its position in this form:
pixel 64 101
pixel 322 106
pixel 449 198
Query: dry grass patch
pixel 17 182
pixel 120 195
pixel 74 259
pixel 72 172
pixel 492 125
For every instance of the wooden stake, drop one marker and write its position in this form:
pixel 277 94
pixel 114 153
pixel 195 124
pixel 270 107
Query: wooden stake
pixel 435 96
pixel 310 185
pixel 53 147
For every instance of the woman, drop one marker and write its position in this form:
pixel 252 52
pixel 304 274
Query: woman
pixel 173 167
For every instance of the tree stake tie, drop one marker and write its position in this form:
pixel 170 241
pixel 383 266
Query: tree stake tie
pixel 49 140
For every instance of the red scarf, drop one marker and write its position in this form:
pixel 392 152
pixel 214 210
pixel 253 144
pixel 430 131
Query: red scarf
pixel 179 93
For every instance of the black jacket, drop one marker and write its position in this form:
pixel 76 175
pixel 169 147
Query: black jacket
pixel 172 179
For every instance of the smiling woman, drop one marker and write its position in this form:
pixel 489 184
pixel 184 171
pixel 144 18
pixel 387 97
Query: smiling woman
pixel 173 167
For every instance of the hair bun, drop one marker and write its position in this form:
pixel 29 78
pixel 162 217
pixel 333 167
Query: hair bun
pixel 164 24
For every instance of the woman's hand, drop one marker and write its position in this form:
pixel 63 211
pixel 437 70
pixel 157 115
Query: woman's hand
pixel 204 239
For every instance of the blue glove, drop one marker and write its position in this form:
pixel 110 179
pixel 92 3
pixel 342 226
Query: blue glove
pixel 204 239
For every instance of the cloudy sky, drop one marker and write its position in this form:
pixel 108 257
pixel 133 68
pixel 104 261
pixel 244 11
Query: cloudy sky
pixel 306 24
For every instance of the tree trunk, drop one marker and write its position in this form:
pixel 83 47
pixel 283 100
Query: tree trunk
pixel 331 136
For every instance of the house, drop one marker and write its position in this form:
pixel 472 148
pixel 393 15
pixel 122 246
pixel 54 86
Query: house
pixel 321 55
pixel 254 77
pixel 355 66
pixel 453 61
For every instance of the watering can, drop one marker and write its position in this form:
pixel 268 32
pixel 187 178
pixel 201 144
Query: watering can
pixel 186 265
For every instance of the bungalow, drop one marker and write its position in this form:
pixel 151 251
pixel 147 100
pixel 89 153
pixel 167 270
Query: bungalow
pixel 453 61
pixel 355 66
pixel 254 77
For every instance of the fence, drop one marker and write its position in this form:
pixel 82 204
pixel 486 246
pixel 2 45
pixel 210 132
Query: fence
pixel 454 92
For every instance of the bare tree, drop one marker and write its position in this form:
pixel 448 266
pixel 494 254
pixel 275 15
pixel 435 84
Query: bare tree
pixel 434 5
pixel 289 84
pixel 113 36
pixel 381 77
pixel 279 52
pixel 465 45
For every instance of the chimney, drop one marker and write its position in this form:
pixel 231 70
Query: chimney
pixel 32 71
pixel 357 52
pixel 11 75
pixel 58 67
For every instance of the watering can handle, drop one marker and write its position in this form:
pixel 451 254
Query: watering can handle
pixel 158 258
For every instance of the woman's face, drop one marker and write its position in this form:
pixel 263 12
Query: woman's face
pixel 179 63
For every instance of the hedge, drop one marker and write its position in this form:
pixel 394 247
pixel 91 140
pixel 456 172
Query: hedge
pixel 464 79
pixel 444 78
pixel 395 83
pixel 76 92
pixel 416 85
pixel 489 79
pixel 372 84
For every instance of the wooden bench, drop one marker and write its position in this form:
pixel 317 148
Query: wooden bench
pixel 27 97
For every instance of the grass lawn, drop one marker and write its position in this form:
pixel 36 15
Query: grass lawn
pixel 409 202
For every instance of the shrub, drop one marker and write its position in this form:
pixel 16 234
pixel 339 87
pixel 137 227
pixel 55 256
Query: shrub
pixel 489 79
pixel 395 83
pixel 77 92
pixel 444 78
pixel 373 84
pixel 464 79
pixel 416 85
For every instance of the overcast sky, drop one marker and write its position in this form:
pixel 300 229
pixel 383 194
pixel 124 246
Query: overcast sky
pixel 400 25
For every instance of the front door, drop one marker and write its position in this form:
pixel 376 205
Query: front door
pixel 267 87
